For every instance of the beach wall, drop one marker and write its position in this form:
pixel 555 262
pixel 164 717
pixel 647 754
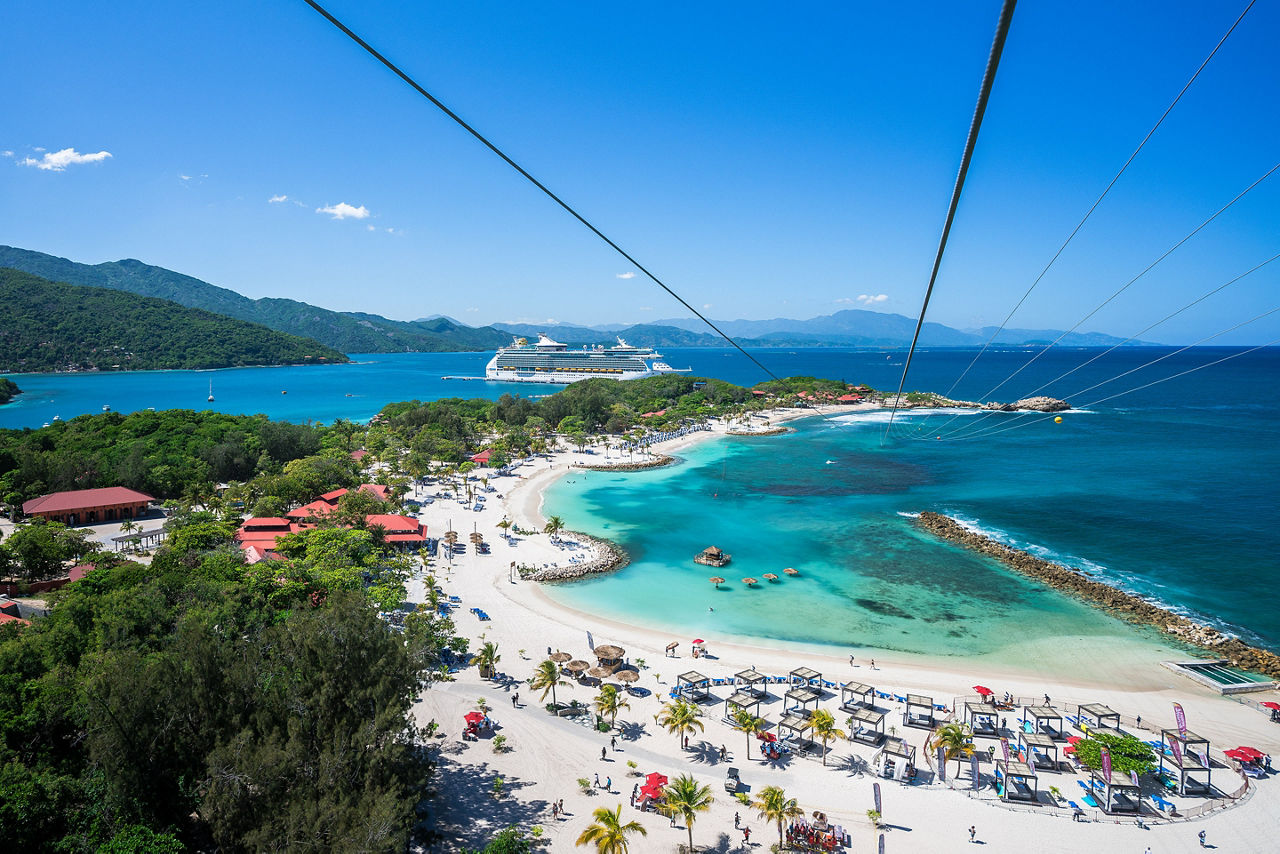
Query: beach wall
pixel 609 557
pixel 1121 604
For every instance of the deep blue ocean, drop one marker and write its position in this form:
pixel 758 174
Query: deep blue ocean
pixel 1168 490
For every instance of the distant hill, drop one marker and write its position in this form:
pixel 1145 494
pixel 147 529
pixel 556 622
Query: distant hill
pixel 348 332
pixel 52 326
pixel 641 335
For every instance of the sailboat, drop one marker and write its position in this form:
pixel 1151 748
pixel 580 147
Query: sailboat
pixel 211 391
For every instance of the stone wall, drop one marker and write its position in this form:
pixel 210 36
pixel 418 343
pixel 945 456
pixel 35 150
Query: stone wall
pixel 1117 602
pixel 609 557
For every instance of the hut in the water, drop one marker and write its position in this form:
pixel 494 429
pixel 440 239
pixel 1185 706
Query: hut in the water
pixel 712 556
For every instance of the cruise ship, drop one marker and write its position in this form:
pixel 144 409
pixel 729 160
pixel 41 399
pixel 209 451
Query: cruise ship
pixel 548 361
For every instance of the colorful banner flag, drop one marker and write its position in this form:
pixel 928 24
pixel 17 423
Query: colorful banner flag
pixel 1133 777
pixel 973 766
pixel 942 764
pixel 1181 718
pixel 876 788
pixel 1177 750
pixel 1004 747
pixel 1204 757
pixel 1106 765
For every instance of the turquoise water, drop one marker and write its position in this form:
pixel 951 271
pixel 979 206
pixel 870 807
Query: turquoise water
pixel 1169 491
pixel 1169 494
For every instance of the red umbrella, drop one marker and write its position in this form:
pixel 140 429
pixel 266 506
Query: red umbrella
pixel 656 779
pixel 1070 748
pixel 1271 705
pixel 1074 739
pixel 473 717
pixel 698 640
pixel 767 737
pixel 983 690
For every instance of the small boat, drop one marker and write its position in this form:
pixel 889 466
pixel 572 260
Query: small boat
pixel 282 391
pixel 211 391
pixel 106 407
pixel 57 418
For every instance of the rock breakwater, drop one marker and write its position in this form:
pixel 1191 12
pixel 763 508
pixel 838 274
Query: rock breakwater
pixel 609 557
pixel 1117 602
pixel 657 463
pixel 772 431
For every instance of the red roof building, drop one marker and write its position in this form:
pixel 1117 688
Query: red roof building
pixel 403 530
pixel 483 457
pixel 359 455
pixel 88 506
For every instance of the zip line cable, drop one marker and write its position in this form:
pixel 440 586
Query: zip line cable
pixel 1132 281
pixel 975 125
pixel 532 180
pixel 1098 201
pixel 1132 337
pixel 992 431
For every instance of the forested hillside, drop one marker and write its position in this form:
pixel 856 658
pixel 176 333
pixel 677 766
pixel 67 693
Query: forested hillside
pixel 8 388
pixel 51 326
pixel 347 332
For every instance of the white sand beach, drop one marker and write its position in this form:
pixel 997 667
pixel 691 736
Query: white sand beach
pixel 548 755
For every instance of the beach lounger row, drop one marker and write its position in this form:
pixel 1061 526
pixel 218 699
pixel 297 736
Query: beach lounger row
pixel 480 614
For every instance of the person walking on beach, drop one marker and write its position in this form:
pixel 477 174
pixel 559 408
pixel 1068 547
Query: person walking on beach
pixel 1201 837
pixel 851 661
pixel 515 700
pixel 873 664
pixel 603 754
pixel 555 811
pixel 973 833
pixel 597 781
pixel 608 784
pixel 746 835
pixel 613 743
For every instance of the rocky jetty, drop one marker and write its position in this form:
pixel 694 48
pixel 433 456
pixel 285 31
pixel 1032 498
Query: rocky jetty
pixel 656 463
pixel 1117 602
pixel 609 557
pixel 771 431
pixel 1034 404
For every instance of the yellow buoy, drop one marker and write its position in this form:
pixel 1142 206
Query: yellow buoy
pixel 1058 420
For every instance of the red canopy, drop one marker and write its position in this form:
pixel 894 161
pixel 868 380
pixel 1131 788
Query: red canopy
pixel 698 640
pixel 766 737
pixel 655 779
pixel 473 717
pixel 650 790
pixel 1270 705
pixel 1251 752
pixel 983 690
pixel 1074 739
pixel 1070 748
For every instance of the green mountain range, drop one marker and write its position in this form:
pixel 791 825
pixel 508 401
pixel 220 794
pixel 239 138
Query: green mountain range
pixel 52 326
pixel 348 332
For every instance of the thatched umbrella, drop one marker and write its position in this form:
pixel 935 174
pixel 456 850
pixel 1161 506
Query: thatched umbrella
pixel 717 581
pixel 560 657
pixel 577 665
pixel 750 582
pixel 600 672
pixel 791 571
pixel 610 652
pixel 769 576
pixel 626 675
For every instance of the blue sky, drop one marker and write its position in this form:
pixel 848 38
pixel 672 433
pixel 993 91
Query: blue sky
pixel 764 161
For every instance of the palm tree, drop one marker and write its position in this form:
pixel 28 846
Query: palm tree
pixel 610 702
pixel 487 658
pixel 744 721
pixel 546 676
pixel 554 525
pixel 824 727
pixel 956 740
pixel 128 526
pixel 607 833
pixel 685 797
pixel 774 805
pixel 681 718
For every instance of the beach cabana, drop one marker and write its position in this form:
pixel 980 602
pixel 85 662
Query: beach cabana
pixel 1097 716
pixel 919 712
pixel 712 556
pixel 1119 794
pixel 1017 782
pixel 796 724
pixel 742 700
pixel 1048 720
pixel 1042 750
pixel 693 686
pixel 750 680
pixel 856 695
pixel 982 719
pixel 799 698
pixel 609 656
pixel 896 757
pixel 867 726
pixel 1187 755
pixel 805 676
pixel 671 647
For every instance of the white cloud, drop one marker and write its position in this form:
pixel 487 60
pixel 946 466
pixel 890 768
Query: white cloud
pixel 872 299
pixel 6 153
pixel 342 210
pixel 277 199
pixel 706 305
pixel 40 148
pixel 58 161
pixel 473 308
pixel 646 308
pixel 185 177
pixel 844 301
pixel 370 228
pixel 626 275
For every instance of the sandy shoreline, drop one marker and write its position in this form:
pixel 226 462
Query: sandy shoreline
pixel 550 754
